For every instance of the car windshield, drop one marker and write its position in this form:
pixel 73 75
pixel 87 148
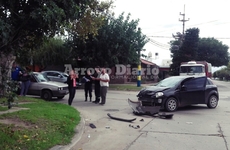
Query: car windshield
pixel 191 69
pixel 41 77
pixel 169 82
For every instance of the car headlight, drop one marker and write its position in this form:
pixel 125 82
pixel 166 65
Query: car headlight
pixel 159 94
pixel 60 88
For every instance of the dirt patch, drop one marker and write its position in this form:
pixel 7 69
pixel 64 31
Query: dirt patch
pixel 17 123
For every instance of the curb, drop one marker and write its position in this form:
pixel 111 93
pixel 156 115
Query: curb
pixel 79 130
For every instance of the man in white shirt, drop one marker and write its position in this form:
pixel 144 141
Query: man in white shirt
pixel 104 82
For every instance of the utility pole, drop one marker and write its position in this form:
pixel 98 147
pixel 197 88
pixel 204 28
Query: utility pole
pixel 183 20
pixel 139 66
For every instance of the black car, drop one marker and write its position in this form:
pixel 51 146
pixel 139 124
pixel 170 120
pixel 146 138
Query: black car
pixel 179 91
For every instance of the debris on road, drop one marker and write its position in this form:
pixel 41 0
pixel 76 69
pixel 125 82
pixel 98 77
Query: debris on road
pixel 135 127
pixel 107 127
pixel 92 125
pixel 138 109
pixel 121 119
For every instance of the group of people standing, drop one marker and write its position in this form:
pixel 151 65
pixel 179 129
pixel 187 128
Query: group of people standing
pixel 101 83
pixel 22 75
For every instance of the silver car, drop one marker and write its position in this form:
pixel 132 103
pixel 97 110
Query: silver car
pixel 56 76
pixel 41 86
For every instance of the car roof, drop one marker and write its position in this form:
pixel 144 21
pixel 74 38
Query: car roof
pixel 53 71
pixel 185 77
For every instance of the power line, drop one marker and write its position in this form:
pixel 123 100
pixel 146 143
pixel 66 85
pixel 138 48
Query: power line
pixel 200 37
pixel 158 44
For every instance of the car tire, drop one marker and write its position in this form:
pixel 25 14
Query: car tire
pixel 60 97
pixel 46 95
pixel 171 104
pixel 212 101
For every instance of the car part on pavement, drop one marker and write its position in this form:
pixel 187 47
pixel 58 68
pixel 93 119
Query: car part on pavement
pixel 121 119
pixel 135 127
pixel 147 110
pixel 164 116
pixel 143 110
pixel 92 125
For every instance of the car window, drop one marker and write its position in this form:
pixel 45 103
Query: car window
pixel 169 82
pixel 54 74
pixel 194 83
pixel 41 77
pixel 32 79
pixel 209 82
pixel 49 73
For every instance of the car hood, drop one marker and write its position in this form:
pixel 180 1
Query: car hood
pixel 59 84
pixel 150 90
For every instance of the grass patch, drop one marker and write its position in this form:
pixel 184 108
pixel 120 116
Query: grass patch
pixel 3 108
pixel 42 126
pixel 125 87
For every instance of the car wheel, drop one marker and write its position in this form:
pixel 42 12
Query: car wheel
pixel 46 95
pixel 171 104
pixel 212 101
pixel 60 97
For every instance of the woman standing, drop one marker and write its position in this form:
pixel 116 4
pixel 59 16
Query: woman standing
pixel 72 84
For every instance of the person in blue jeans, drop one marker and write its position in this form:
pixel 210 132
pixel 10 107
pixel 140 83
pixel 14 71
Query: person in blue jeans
pixel 25 82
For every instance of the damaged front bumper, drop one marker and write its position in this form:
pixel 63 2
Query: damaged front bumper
pixel 138 109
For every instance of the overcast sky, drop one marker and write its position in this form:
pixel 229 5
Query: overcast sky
pixel 159 19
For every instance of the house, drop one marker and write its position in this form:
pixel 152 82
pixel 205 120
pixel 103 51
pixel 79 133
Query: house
pixel 128 73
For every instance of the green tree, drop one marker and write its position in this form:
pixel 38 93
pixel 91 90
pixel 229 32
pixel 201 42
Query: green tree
pixel 51 51
pixel 24 21
pixel 24 24
pixel 118 41
pixel 213 51
pixel 186 51
pixel 198 49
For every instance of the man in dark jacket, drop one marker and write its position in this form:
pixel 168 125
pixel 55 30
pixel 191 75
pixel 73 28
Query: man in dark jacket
pixel 97 85
pixel 24 77
pixel 88 85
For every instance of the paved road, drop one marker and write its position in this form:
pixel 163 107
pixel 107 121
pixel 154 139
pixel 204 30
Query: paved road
pixel 192 128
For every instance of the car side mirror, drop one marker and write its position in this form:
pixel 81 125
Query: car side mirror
pixel 60 76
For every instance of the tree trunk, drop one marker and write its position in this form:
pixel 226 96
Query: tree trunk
pixel 6 63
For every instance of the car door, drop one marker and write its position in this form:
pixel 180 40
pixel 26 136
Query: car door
pixel 33 89
pixel 193 91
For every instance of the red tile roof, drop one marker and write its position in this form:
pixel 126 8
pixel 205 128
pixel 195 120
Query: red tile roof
pixel 147 62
